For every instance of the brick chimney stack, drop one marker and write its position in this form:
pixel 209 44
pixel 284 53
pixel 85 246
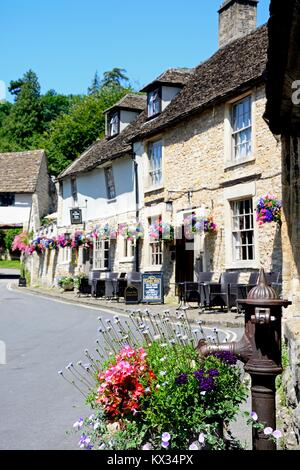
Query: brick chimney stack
pixel 236 18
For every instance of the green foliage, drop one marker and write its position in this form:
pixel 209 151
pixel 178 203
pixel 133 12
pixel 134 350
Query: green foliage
pixel 7 237
pixel 66 281
pixel 10 264
pixel 285 364
pixel 24 123
pixel 95 85
pixel 70 134
pixel 115 78
pixel 64 125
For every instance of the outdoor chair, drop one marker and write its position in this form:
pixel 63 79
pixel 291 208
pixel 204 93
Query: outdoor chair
pixel 85 287
pixel 110 285
pixel 220 293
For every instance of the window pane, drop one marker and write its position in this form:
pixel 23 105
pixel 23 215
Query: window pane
pixel 155 163
pixel 110 184
pixel 242 230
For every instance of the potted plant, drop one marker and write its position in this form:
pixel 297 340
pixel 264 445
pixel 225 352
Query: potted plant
pixel 66 283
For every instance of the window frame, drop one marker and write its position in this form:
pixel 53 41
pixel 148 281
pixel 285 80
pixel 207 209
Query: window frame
pixel 110 185
pixel 111 116
pixel 74 192
pixel 101 255
pixel 151 169
pixel 238 232
pixel 156 247
pixel 7 195
pixel 235 157
pixel 158 100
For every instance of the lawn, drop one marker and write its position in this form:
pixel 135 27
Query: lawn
pixel 10 264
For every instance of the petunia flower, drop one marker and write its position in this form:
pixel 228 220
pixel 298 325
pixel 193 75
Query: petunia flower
pixel 254 416
pixel 268 431
pixel 193 446
pixel 201 438
pixel 277 434
pixel 165 437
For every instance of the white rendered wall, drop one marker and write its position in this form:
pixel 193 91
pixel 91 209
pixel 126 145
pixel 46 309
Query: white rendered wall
pixel 19 213
pixel 126 117
pixel 92 195
pixel 167 94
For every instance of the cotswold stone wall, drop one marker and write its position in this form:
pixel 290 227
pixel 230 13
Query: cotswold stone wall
pixel 289 415
pixel 195 158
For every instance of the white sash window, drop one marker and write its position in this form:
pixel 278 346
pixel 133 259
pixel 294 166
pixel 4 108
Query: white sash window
pixel 101 254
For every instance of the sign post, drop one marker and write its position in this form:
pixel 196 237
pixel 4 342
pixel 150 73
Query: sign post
pixel 76 216
pixel 153 288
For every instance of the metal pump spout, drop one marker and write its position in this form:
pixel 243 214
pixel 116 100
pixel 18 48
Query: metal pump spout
pixel 242 348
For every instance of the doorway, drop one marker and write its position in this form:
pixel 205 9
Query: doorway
pixel 184 258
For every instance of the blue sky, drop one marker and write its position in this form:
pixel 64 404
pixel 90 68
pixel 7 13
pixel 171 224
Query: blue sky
pixel 66 41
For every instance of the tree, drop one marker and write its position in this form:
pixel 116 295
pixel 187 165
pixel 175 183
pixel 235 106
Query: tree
pixel 115 78
pixel 53 105
pixel 95 85
pixel 24 122
pixel 70 134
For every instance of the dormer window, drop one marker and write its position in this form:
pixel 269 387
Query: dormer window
pixel 154 102
pixel 114 124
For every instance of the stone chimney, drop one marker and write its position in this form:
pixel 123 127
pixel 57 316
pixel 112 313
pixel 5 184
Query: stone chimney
pixel 236 18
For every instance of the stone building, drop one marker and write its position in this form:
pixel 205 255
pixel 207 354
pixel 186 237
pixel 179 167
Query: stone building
pixel 283 116
pixel 26 190
pixel 216 156
pixel 200 148
pixel 102 184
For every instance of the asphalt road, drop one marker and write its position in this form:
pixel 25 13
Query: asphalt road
pixel 42 336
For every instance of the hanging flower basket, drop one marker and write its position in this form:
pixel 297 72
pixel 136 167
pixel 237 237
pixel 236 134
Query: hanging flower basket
pixel 161 230
pixel 196 224
pixel 268 209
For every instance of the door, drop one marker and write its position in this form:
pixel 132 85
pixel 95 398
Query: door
pixel 184 259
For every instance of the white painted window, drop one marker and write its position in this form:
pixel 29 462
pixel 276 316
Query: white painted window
pixel 110 182
pixel 154 102
pixel 101 254
pixel 114 122
pixel 129 248
pixel 242 129
pixel 74 190
pixel 66 254
pixel 243 230
pixel 156 245
pixel 155 163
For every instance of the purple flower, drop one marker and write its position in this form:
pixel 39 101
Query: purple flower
pixel 199 374
pixel 201 438
pixel 254 416
pixel 226 356
pixel 268 431
pixel 84 442
pixel 277 434
pixel 213 372
pixel 181 379
pixel 165 437
pixel 206 384
pixel 165 444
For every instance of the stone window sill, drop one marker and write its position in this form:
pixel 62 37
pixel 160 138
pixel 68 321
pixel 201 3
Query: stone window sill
pixel 232 164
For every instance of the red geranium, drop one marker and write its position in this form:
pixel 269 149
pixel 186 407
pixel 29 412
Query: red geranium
pixel 123 383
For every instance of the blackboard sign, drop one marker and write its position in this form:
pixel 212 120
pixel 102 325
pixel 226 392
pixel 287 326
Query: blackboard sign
pixel 153 288
pixel 131 295
pixel 76 216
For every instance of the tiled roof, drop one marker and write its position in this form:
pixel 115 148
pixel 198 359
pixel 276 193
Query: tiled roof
pixel 172 77
pixel 230 70
pixel 130 101
pixel 19 171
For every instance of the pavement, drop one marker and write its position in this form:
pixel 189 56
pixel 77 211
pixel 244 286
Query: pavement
pixel 212 317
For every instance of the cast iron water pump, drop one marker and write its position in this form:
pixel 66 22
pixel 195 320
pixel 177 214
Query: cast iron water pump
pixel 260 350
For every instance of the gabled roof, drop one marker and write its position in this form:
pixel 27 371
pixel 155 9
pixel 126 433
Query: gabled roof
pixel 233 69
pixel 19 171
pixel 171 77
pixel 130 101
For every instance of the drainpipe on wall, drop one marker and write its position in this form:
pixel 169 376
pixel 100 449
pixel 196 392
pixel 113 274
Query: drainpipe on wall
pixel 137 212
